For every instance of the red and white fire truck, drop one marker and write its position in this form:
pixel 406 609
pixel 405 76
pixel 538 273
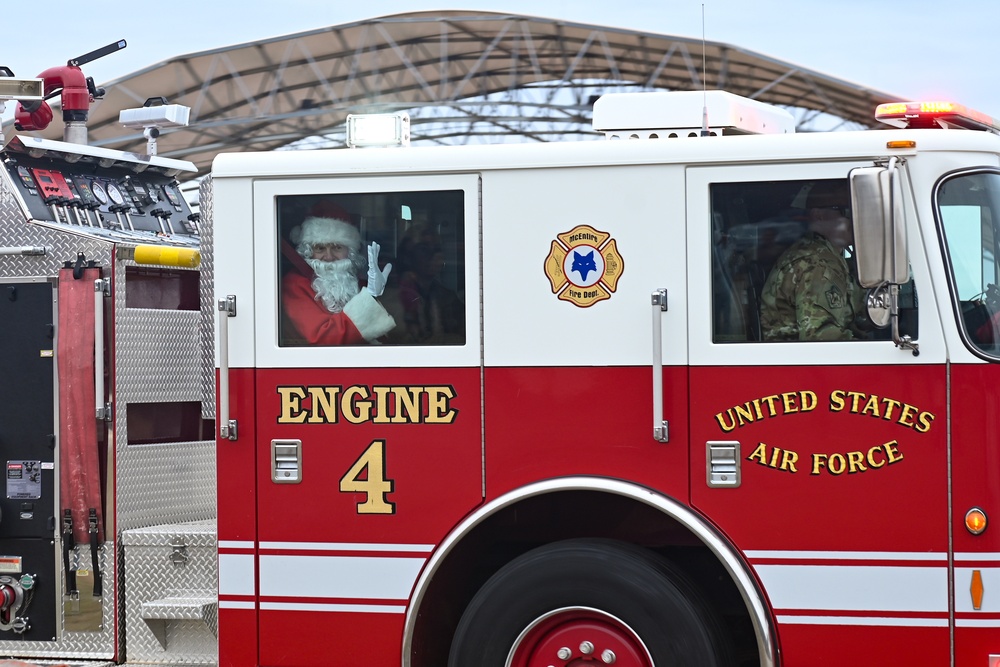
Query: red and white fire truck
pixel 576 445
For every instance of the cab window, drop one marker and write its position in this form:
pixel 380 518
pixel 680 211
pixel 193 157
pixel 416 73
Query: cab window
pixel 327 295
pixel 966 205
pixel 782 265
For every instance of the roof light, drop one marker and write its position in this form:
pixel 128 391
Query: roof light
pixel 376 129
pixel 938 113
pixel 21 89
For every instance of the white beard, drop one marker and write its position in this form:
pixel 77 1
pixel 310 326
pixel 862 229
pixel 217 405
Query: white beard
pixel 336 282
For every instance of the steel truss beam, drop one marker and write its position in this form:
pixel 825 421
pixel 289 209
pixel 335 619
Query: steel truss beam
pixel 464 77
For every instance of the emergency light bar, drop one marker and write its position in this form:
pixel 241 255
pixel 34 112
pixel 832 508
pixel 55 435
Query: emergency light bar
pixel 377 129
pixel 935 114
pixel 686 113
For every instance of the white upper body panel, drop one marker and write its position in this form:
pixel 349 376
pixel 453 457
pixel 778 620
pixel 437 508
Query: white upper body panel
pixel 648 199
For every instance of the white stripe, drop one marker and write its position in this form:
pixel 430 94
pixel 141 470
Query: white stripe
pixel 236 574
pixel 338 577
pixel 977 556
pixel 235 544
pixel 347 608
pixel 856 588
pixel 848 555
pixel 869 621
pixel 235 604
pixel 977 622
pixel 345 546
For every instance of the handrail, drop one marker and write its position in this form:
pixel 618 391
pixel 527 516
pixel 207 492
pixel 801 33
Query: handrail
pixel 660 427
pixel 227 426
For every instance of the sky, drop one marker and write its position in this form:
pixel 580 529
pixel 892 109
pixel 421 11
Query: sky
pixel 914 49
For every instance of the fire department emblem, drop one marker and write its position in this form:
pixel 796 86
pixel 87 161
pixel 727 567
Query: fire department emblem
pixel 584 266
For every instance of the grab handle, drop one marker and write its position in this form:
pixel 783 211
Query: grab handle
pixel 227 426
pixel 661 432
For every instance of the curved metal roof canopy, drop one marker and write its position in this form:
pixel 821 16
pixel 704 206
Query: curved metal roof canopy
pixel 463 76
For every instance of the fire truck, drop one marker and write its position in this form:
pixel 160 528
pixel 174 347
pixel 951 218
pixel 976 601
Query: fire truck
pixel 580 444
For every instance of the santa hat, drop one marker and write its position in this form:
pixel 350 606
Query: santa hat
pixel 318 229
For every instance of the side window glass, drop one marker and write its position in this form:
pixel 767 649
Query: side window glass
pixel 782 266
pixel 371 269
pixel 967 206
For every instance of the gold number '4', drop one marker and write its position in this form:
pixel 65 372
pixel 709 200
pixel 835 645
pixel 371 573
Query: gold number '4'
pixel 367 476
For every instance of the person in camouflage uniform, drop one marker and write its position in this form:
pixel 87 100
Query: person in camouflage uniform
pixel 811 293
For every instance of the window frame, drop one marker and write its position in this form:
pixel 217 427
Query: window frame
pixel 703 349
pixel 953 293
pixel 267 319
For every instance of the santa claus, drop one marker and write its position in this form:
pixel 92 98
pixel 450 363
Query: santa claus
pixel 323 301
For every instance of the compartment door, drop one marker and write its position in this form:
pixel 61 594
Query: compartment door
pixel 27 440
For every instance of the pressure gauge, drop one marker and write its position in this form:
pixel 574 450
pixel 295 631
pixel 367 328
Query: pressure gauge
pixel 115 194
pixel 99 192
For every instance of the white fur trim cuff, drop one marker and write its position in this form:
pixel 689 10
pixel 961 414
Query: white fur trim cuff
pixel 368 315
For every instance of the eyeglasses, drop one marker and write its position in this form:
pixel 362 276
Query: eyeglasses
pixel 325 247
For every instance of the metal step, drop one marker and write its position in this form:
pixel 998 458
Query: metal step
pixel 194 608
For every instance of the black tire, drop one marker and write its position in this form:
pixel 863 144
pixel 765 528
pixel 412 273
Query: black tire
pixel 630 590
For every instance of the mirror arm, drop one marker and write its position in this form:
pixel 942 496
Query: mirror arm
pixel 902 342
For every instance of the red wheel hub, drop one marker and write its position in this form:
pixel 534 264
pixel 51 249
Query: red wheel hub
pixel 575 637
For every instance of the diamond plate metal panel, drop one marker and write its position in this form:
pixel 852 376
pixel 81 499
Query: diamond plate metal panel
pixel 208 307
pixel 159 355
pixel 165 483
pixel 171 609
pixel 60 247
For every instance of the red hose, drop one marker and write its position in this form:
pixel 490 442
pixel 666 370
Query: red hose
pixel 79 458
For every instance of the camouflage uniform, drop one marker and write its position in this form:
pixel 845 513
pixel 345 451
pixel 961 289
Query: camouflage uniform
pixel 810 294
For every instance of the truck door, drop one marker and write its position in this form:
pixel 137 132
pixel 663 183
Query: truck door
pixel 369 435
pixel 966 204
pixel 817 446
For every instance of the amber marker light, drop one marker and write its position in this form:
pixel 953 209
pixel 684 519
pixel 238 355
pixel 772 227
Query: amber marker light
pixel 906 143
pixel 975 520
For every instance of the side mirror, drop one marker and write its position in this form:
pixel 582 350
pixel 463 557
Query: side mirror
pixel 880 243
pixel 879 226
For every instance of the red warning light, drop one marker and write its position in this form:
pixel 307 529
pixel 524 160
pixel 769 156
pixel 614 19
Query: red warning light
pixel 934 114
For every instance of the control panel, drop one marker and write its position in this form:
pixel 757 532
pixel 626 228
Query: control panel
pixel 113 195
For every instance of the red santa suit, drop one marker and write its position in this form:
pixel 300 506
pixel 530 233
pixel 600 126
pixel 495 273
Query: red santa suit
pixel 305 317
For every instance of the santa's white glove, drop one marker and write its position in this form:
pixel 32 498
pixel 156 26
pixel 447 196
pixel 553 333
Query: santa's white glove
pixel 376 278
